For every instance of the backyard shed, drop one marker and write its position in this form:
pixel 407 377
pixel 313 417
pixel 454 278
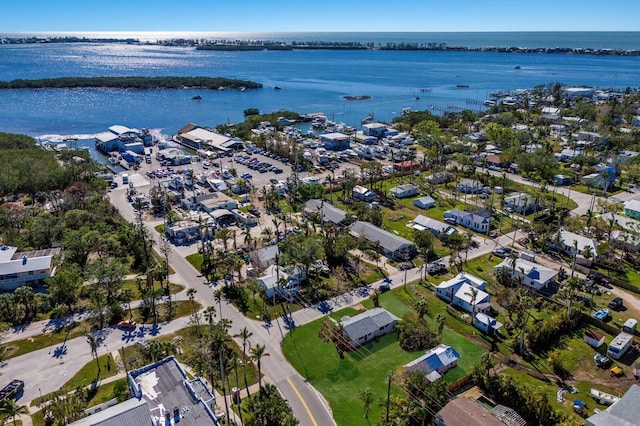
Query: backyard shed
pixel 593 338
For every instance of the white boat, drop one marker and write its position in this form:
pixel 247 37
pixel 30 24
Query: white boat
pixel 603 397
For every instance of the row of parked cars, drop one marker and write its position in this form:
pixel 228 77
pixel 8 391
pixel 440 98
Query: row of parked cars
pixel 260 166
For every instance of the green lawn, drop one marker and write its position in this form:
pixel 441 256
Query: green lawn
pixel 131 285
pixel 341 380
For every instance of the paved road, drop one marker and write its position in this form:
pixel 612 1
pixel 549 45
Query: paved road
pixel 46 370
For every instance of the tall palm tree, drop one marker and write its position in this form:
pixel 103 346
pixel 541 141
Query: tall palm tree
pixel 473 293
pixel 422 308
pixel 9 408
pixel 257 353
pixel 93 342
pixel 218 295
pixel 245 334
pixel 440 320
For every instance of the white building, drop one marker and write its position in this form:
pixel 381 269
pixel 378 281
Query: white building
pixel 25 268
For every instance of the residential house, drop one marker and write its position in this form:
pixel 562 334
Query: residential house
pixel 628 237
pixel 632 208
pixel 567 155
pixel 493 162
pixel 363 194
pixel 173 398
pixel 391 245
pixel 324 211
pixel 562 180
pixel 479 221
pixel 446 290
pixel 437 228
pixel 404 191
pixel 533 275
pixel 265 257
pixel 470 186
pixel 520 202
pixel 486 324
pixel 594 338
pixel 25 268
pixel 624 412
pixel 465 411
pixel 435 362
pixel 279 282
pixel 440 177
pixel 471 299
pixel 569 241
pixel 605 177
pixel 368 325
pixel 335 141
pixel 133 411
pixel 188 231
pixel 424 203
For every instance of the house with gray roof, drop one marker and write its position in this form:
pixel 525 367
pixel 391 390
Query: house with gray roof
pixel 470 186
pixel 520 202
pixel 368 325
pixel 625 412
pixel 327 212
pixel 391 245
pixel 425 202
pixel 130 412
pixel 171 396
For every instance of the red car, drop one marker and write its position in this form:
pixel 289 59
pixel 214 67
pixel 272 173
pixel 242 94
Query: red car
pixel 127 324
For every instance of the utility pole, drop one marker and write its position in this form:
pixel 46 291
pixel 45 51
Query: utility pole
pixel 389 378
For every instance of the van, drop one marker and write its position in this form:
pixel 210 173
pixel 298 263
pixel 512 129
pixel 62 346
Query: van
pixel 125 178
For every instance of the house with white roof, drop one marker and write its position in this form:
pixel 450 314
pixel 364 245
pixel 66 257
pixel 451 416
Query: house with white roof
pixel 279 282
pixel 425 202
pixel 470 186
pixel 404 191
pixel 569 240
pixel 487 324
pixel 368 325
pixel 437 228
pixel 435 362
pixel 25 268
pixel 479 220
pixel 534 275
pixel 363 194
pixel 520 202
pixel 446 290
pixel 632 208
pixel 471 299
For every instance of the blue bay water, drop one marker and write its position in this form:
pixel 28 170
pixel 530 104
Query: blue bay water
pixel 311 81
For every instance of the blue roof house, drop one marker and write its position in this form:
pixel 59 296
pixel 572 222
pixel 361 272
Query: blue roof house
pixel 435 362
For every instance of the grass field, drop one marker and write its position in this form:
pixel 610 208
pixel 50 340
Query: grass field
pixel 341 380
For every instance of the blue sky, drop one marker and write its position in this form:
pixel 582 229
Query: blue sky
pixel 319 15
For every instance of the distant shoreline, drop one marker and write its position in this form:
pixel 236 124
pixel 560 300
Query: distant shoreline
pixel 211 83
pixel 257 45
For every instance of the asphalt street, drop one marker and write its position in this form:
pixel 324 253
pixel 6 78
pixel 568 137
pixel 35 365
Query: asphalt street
pixel 46 370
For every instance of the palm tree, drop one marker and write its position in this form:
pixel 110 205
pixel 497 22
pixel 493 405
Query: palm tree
pixel 93 342
pixel 422 308
pixel 473 293
pixel 218 296
pixel 366 396
pixel 10 409
pixel 245 334
pixel 257 353
pixel 440 320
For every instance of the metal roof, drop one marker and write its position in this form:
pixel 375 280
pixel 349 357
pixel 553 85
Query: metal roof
pixel 127 413
pixel 367 322
pixel 328 212
pixel 387 240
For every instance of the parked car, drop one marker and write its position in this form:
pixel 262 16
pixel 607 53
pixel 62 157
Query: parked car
pixel 504 252
pixel 384 287
pixel 616 303
pixel 127 324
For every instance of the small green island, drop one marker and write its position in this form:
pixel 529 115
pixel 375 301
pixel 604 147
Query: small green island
pixel 214 83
